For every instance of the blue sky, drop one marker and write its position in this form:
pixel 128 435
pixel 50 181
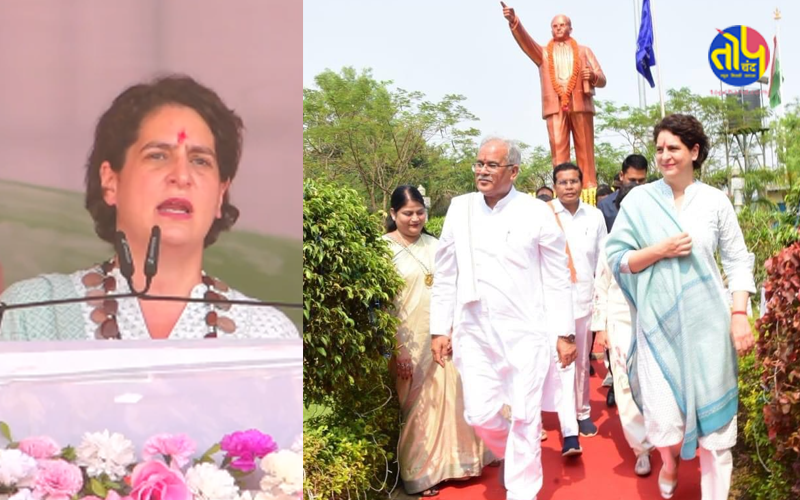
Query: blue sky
pixel 465 47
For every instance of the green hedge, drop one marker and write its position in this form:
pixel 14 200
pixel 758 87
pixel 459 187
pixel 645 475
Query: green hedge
pixel 349 284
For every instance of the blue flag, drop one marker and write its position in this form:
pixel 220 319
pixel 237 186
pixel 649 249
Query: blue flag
pixel 645 57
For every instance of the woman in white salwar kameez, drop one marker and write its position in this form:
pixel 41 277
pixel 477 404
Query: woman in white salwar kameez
pixel 684 355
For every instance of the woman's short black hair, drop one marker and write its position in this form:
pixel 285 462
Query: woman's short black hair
pixel 689 130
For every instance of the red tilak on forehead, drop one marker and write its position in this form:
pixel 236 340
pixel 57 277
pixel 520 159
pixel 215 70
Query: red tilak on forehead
pixel 181 136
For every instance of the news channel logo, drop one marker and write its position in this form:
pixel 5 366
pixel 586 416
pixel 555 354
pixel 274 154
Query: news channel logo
pixel 738 55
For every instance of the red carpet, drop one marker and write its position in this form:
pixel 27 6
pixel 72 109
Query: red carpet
pixel 603 472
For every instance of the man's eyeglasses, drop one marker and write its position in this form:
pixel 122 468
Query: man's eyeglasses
pixel 568 182
pixel 491 166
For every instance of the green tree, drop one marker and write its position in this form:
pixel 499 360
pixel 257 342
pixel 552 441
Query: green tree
pixel 721 118
pixel 536 170
pixel 787 137
pixel 359 131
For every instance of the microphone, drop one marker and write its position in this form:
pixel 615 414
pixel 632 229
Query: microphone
pixel 151 259
pixel 124 258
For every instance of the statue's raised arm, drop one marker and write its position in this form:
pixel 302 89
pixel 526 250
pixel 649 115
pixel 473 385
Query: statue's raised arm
pixel 568 74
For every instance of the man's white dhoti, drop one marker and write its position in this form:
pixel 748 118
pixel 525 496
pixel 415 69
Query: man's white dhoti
pixel 559 394
pixel 497 371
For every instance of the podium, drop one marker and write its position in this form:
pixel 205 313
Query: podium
pixel 204 389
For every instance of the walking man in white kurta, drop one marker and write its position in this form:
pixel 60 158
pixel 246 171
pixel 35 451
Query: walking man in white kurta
pixel 612 320
pixel 585 228
pixel 502 291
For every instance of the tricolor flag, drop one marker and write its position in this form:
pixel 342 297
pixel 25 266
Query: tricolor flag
pixel 645 57
pixel 775 77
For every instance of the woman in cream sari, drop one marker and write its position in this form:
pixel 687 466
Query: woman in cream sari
pixel 436 444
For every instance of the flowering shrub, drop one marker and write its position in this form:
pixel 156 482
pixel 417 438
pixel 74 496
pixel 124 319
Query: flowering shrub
pixel 104 466
pixel 779 331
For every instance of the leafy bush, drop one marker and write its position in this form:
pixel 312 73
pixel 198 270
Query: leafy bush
pixel 765 468
pixel 349 284
pixel 757 475
pixel 350 452
pixel 779 337
pixel 760 229
pixel 766 232
pixel 434 226
pixel 340 460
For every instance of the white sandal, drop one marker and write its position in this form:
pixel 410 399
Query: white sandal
pixel 667 489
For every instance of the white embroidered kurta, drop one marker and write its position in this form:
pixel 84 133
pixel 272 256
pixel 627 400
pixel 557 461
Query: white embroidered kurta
pixel 609 304
pixel 708 216
pixel 72 321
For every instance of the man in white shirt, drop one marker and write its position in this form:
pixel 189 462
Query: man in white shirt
pixel 502 290
pixel 585 228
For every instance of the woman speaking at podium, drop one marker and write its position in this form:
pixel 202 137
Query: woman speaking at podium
pixel 165 154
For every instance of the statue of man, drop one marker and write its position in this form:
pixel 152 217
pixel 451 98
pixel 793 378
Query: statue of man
pixel 569 74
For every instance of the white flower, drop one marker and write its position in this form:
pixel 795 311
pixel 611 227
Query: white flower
pixel 259 495
pixel 105 453
pixel 206 481
pixel 297 446
pixel 23 494
pixel 15 466
pixel 283 469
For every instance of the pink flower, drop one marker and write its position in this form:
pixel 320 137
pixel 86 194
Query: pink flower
pixel 156 481
pixel 245 447
pixel 57 480
pixel 111 495
pixel 39 447
pixel 178 447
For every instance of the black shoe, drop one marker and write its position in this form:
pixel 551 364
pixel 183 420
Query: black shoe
pixel 587 428
pixel 572 447
pixel 611 400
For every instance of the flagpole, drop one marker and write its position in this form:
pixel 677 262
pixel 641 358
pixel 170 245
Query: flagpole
pixel 640 78
pixel 658 58
pixel 778 49
pixel 776 118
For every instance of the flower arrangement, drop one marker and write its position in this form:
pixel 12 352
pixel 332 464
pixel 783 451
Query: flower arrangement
pixel 564 95
pixel 104 466
pixel 589 195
